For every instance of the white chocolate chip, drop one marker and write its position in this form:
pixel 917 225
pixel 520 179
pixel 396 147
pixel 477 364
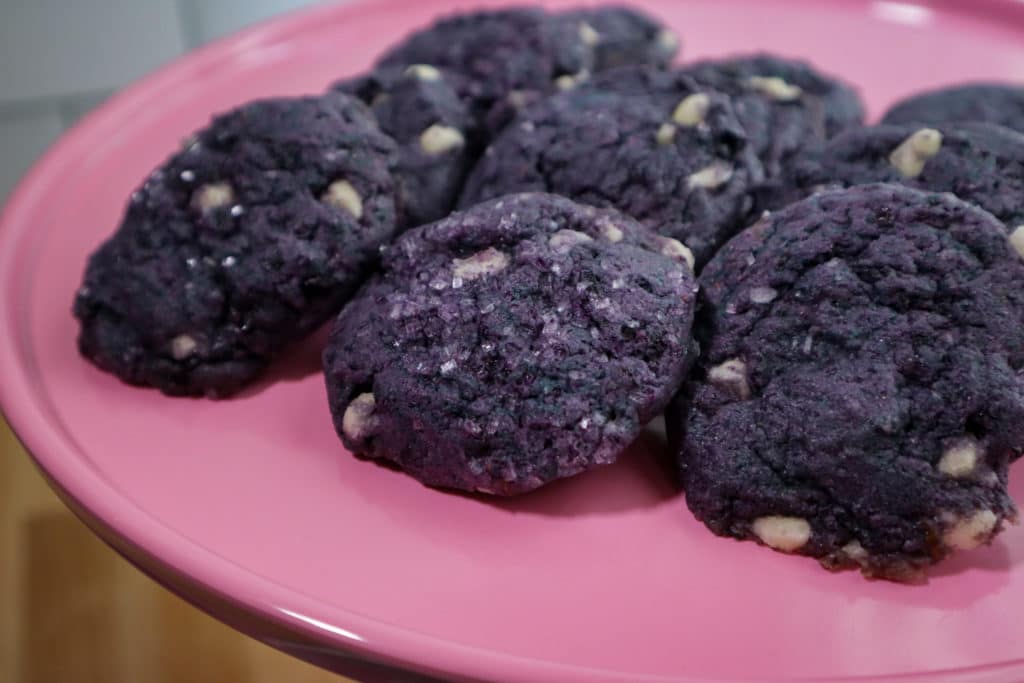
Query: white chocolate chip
pixel 782 533
pixel 775 88
pixel 182 347
pixel 564 240
pixel 911 155
pixel 960 458
pixel 713 176
pixel 213 196
pixel 1017 239
pixel 610 231
pixel 438 139
pixel 486 262
pixel 666 134
pixel 731 375
pixel 762 295
pixel 518 99
pixel 570 81
pixel 588 35
pixel 423 72
pixel 342 195
pixel 972 531
pixel 692 109
pixel 359 420
pixel 677 250
pixel 667 40
pixel 855 551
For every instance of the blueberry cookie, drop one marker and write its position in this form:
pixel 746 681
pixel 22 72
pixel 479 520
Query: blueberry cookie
pixel 785 106
pixel 1002 104
pixel 860 392
pixel 527 339
pixel 683 167
pixel 622 36
pixel 246 240
pixel 501 54
pixel 438 141
pixel 981 163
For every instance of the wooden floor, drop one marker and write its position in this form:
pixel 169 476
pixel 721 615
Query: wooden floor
pixel 73 611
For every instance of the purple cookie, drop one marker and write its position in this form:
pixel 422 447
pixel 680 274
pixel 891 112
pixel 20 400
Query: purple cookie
pixel 521 341
pixel 438 140
pixel 999 103
pixel 517 52
pixel 860 393
pixel 785 106
pixel 981 163
pixel 683 166
pixel 248 239
pixel 622 36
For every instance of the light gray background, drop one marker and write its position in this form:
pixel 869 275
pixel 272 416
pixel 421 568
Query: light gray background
pixel 61 58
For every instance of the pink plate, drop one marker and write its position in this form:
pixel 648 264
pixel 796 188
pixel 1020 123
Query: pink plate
pixel 251 508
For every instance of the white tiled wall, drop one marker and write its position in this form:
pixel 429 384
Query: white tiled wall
pixel 60 58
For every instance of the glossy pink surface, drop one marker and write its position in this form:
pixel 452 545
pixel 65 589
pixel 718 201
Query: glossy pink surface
pixel 606 577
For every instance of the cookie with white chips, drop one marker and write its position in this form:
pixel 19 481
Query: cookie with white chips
pixel 438 139
pixel 524 340
pixel 860 392
pixel 682 166
pixel 981 163
pixel 243 242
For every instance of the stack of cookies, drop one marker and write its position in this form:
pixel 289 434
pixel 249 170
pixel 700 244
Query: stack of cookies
pixel 534 235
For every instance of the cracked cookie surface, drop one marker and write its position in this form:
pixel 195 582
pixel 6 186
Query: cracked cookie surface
pixel 860 392
pixel 524 340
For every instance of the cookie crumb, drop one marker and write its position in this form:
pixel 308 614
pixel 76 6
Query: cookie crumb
pixel 711 177
pixel 692 110
pixel 970 532
pixel 912 154
pixel 960 459
pixel 775 88
pixel 486 262
pixel 358 420
pixel 423 72
pixel 213 196
pixel 782 533
pixel 731 375
pixel 438 139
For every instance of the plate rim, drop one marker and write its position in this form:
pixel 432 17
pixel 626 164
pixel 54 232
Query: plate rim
pixel 66 467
